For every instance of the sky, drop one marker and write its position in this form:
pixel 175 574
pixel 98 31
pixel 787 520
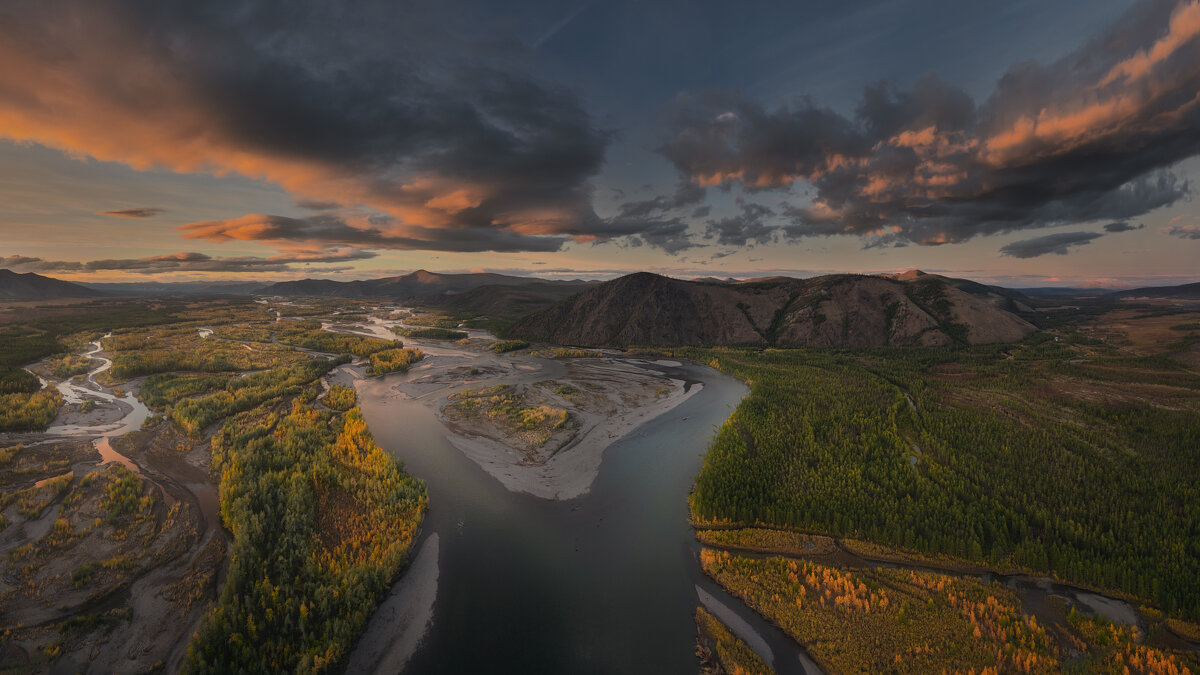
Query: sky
pixel 1048 143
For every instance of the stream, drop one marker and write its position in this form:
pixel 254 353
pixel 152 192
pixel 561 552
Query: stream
pixel 74 393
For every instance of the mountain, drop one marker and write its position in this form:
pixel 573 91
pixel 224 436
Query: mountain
pixel 30 286
pixel 1184 292
pixel 313 288
pixel 180 287
pixel 408 286
pixel 830 311
pixel 505 301
pixel 1057 292
pixel 1004 298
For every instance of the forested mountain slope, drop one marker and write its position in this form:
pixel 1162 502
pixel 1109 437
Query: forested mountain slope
pixel 830 311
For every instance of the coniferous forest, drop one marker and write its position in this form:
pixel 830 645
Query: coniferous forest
pixel 1056 456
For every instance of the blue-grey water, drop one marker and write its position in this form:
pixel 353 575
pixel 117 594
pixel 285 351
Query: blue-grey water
pixel 605 583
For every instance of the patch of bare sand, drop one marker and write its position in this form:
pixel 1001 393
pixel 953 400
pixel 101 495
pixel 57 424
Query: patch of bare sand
pixel 606 399
pixel 397 627
pixel 131 585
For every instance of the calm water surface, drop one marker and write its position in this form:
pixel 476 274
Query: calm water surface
pixel 600 584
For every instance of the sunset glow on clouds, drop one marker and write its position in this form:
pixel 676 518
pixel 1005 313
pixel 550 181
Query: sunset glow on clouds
pixel 404 131
pixel 479 150
pixel 1090 138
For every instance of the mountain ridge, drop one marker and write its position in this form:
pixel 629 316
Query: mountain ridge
pixel 416 284
pixel 32 286
pixel 841 310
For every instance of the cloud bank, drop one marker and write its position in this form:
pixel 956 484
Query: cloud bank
pixel 184 262
pixel 1090 137
pixel 405 128
pixel 1184 231
pixel 454 141
pixel 1059 244
pixel 139 212
pixel 1122 226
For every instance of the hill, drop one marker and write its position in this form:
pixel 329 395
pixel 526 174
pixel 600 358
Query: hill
pixel 1183 292
pixel 1004 298
pixel 30 286
pixel 505 301
pixel 419 284
pixel 830 311
pixel 179 287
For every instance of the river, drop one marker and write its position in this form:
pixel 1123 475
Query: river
pixel 135 412
pixel 605 583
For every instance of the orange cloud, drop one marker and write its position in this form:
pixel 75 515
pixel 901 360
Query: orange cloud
pixel 1090 138
pixel 481 150
pixel 1184 25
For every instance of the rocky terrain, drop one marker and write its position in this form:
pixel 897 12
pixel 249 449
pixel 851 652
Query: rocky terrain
pixel 830 311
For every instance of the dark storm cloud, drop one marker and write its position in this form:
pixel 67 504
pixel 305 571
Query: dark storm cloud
pixel 184 262
pixel 892 240
pixel 443 134
pixel 316 205
pixel 1091 137
pixel 686 194
pixel 1059 244
pixel 748 227
pixel 373 232
pixel 1122 226
pixel 20 263
pixel 141 212
pixel 670 235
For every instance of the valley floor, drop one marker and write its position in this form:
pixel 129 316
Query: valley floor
pixel 1009 508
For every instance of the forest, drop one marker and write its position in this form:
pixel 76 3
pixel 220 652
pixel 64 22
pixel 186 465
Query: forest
pixel 28 412
pixel 905 621
pixel 501 346
pixel 322 518
pixel 393 360
pixel 430 333
pixel 1060 455
pixel 724 650
pixel 195 402
pixel 24 405
pixel 340 398
pixel 309 335
pixel 165 350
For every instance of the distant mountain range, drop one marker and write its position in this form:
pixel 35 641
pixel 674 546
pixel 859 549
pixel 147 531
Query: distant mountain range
pixel 30 286
pixel 417 284
pixel 840 310
pixel 180 287
pixel 1184 292
pixel 912 308
pixel 491 295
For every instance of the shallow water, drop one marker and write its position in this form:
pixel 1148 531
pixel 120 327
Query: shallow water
pixel 132 420
pixel 606 583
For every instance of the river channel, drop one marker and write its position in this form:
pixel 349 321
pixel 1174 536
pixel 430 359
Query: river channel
pixel 604 583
